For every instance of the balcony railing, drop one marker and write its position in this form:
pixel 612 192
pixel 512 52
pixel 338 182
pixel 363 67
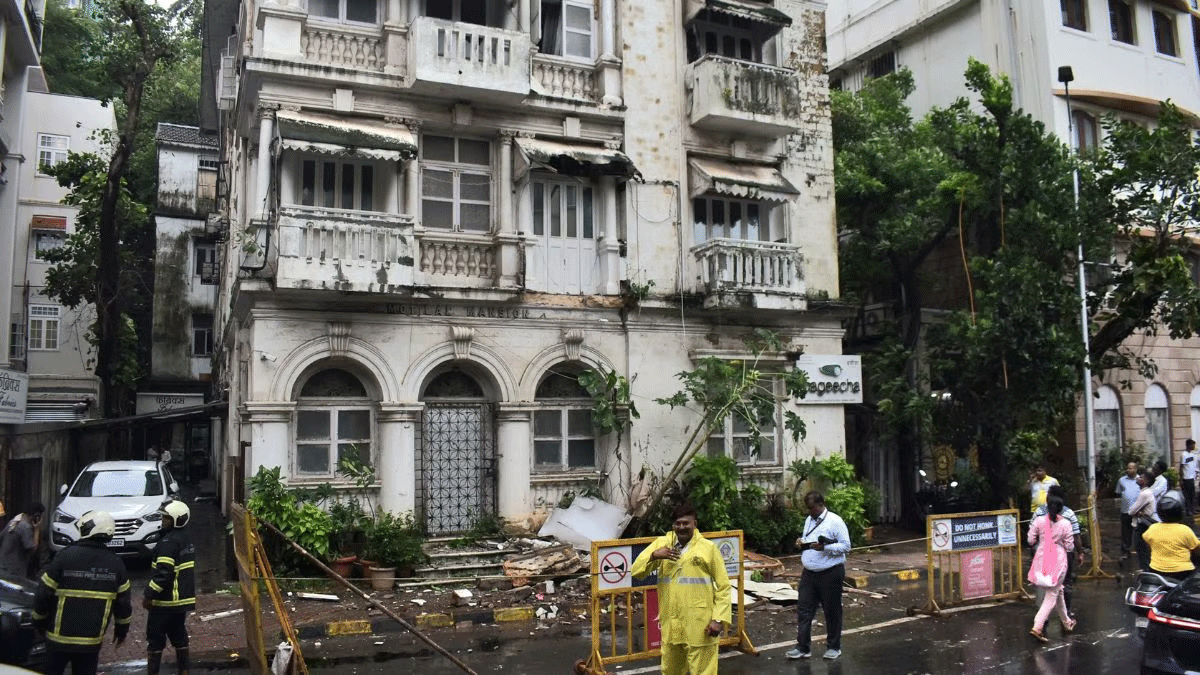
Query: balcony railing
pixel 729 94
pixel 344 250
pixel 491 60
pixel 738 267
pixel 457 258
pixel 343 48
pixel 559 78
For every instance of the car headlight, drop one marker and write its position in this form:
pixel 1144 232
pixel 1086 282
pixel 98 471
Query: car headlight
pixel 61 516
pixel 152 517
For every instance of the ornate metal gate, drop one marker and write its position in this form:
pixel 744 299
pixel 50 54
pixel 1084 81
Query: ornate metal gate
pixel 458 466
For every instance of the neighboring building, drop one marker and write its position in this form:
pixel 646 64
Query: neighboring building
pixel 186 274
pixel 439 213
pixel 1127 56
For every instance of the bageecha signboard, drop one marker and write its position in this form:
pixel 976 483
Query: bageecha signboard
pixel 14 391
pixel 832 379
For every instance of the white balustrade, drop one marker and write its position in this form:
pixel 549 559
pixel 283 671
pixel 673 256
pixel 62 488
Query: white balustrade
pixel 559 78
pixel 344 49
pixel 469 55
pixel 548 489
pixel 348 250
pixel 751 266
pixel 454 254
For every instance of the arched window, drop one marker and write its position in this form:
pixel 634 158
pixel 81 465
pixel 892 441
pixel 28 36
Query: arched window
pixel 1106 420
pixel 333 421
pixel 563 436
pixel 1158 428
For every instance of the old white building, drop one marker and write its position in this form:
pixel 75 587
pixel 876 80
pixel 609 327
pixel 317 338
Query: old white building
pixel 1127 56
pixel 437 213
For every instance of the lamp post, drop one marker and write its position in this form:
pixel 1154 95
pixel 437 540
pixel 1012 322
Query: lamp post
pixel 1065 76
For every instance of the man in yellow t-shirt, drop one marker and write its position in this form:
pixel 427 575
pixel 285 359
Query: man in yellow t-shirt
pixel 1039 483
pixel 1172 544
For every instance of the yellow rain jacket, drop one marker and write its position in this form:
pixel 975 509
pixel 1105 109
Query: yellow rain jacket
pixel 692 591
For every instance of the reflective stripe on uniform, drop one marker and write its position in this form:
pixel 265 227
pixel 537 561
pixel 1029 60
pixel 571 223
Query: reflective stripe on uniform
pixel 77 593
pixel 173 603
pixel 69 640
pixel 692 580
pixel 49 581
pixel 165 560
pixel 155 587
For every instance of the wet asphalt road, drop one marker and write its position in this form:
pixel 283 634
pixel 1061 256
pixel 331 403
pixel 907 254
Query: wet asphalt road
pixel 991 640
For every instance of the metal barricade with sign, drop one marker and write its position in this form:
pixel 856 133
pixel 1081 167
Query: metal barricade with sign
pixel 616 596
pixel 973 556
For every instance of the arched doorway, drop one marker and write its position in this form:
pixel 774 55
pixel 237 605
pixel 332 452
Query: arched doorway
pixel 456 459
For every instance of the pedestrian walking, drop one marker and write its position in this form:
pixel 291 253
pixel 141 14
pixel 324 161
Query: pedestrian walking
pixel 19 541
pixel 1187 476
pixel 1127 489
pixel 1039 483
pixel 1144 515
pixel 1074 559
pixel 824 543
pixel 84 587
pixel 171 593
pixel 1051 533
pixel 1171 542
pixel 693 595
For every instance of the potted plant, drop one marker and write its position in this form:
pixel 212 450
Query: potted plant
pixel 394 544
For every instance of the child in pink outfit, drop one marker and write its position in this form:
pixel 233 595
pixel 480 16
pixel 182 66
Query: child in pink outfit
pixel 1049 566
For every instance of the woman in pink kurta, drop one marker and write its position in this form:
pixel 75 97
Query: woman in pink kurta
pixel 1051 534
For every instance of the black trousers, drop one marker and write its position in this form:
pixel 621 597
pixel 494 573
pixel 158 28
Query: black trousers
pixel 166 623
pixel 1189 495
pixel 1143 549
pixel 1069 580
pixel 82 663
pixel 824 588
pixel 1126 533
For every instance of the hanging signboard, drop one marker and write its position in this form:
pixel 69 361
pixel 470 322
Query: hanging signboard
pixel 835 378
pixel 14 394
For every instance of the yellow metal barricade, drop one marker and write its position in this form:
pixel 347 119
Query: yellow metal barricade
pixel 973 556
pixel 621 606
pixel 253 568
pixel 1092 518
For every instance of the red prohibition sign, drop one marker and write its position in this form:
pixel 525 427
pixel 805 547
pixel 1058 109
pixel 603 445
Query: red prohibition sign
pixel 941 534
pixel 613 567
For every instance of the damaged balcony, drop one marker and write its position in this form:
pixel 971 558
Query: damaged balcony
pixel 731 95
pixel 486 63
pixel 348 251
pixel 740 274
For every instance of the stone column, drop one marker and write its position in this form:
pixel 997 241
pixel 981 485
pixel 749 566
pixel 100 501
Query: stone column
pixel 514 437
pixel 608 241
pixel 608 29
pixel 266 133
pixel 507 237
pixel 270 440
pixel 524 16
pixel 412 176
pixel 397 453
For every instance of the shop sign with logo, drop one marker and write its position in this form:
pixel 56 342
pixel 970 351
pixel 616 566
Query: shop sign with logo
pixel 14 392
pixel 832 379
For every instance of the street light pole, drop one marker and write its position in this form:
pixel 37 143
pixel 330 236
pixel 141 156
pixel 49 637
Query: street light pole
pixel 1065 76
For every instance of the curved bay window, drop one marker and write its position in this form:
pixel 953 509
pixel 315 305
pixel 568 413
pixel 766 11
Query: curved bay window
pixel 333 421
pixel 563 436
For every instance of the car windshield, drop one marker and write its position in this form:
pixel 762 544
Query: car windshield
pixel 118 483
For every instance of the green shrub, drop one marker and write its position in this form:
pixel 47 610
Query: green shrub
pixel 395 541
pixel 293 514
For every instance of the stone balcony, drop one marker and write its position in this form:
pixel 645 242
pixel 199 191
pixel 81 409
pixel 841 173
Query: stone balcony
pixel 483 61
pixel 731 95
pixel 335 249
pixel 739 274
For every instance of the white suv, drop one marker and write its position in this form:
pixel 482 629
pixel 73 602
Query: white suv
pixel 129 490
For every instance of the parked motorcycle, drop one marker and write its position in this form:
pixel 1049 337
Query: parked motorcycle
pixel 1147 589
pixel 934 498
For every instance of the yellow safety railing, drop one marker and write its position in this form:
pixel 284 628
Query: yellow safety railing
pixel 971 557
pixel 1092 516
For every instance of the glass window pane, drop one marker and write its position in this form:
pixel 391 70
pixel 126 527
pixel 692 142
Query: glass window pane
pixel 716 446
pixel 579 18
pixel 587 214
pixel 361 10
pixel 556 211
pixel 440 9
pixel 475 187
pixel 435 183
pixel 735 220
pixel 347 192
pixel 308 182
pixel 700 219
pixel 354 424
pixel 581 453
pixel 474 152
pixel 753 231
pixel 766 450
pixel 359 451
pixel 718 219
pixel 579 422
pixel 476 217
pixel 547 423
pixel 366 195
pixel 312 425
pixel 546 453
pixel 312 458
pixel 741 449
pixel 437 214
pixel 579 45
pixel 325 8
pixel 539 208
pixel 473 11
pixel 328 183
pixel 438 148
pixel 572 210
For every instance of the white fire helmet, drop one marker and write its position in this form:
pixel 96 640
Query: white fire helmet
pixel 96 525
pixel 179 512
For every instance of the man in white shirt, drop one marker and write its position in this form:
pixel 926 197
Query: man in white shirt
pixel 1187 476
pixel 824 543
pixel 1159 487
pixel 1144 512
pixel 1128 489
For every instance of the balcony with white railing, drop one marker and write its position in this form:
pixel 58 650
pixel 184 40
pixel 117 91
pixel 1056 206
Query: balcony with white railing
pixel 457 259
pixel 487 61
pixel 336 249
pixel 362 49
pixel 556 77
pixel 751 274
pixel 734 95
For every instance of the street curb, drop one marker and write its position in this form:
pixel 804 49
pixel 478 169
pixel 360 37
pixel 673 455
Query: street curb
pixel 864 580
pixel 467 616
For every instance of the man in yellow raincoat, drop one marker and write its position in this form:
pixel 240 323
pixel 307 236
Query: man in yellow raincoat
pixel 693 595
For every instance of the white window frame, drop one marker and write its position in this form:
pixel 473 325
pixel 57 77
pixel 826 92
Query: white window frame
pixel 457 169
pixel 342 12
pixel 734 440
pixel 16 342
pixel 1132 14
pixel 564 30
pixel 1087 131
pixel 41 237
pixel 1158 404
pixel 1173 35
pixel 40 337
pixel 1068 9
pixel 204 253
pixel 330 407
pixel 307 195
pixel 564 408
pixel 52 150
pixel 197 331
pixel 703 231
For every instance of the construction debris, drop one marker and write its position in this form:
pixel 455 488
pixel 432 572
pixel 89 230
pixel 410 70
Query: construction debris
pixel 557 560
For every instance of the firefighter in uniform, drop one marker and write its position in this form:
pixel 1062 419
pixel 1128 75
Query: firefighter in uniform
pixel 171 594
pixel 82 588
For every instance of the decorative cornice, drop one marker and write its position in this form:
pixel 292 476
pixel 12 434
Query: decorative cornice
pixel 572 339
pixel 462 336
pixel 339 337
